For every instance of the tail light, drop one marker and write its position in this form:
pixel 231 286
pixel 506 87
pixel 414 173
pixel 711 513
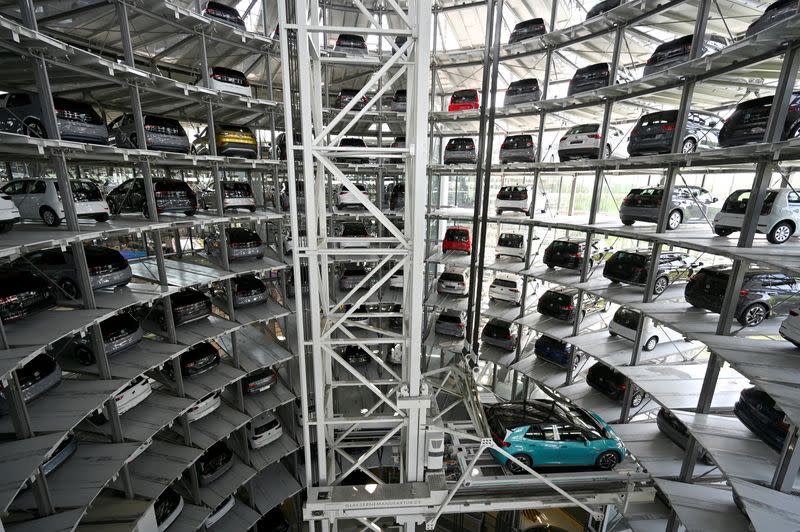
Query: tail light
pixel 594 136
pixel 7 198
pixel 362 44
pixel 567 307
pixel 668 127
pixel 504 443
pixel 782 425
pixel 577 255
pixel 744 293
pixel 460 325
pixel 523 195
pixel 604 74
pixel 252 385
pixel 622 386
pixel 692 278
pixel 529 143
pixel 189 364
pixel 508 336
pixel 515 290
pixel 150 127
pixel 563 139
pixel 8 299
pixel 794 108
pixel 791 312
pixel 651 61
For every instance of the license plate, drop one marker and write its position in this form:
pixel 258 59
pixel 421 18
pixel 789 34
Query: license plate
pixel 576 142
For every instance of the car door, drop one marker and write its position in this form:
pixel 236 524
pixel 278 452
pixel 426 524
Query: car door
pixel 16 189
pixel 136 198
pixel 782 290
pixel 572 446
pixel 543 445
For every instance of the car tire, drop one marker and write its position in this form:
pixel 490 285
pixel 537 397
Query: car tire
pixel 189 213
pixel 753 315
pixel 674 220
pixel 69 288
pixel 33 128
pixel 689 146
pixel 650 344
pixel 627 222
pixel 660 285
pixel 525 459
pixel 780 233
pixel 145 211
pixel 102 217
pixel 607 152
pixel 607 460
pixel 721 231
pixel 5 227
pixel 84 355
pixel 637 399
pixel 49 217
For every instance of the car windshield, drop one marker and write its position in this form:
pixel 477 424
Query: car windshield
pixel 505 283
pixel 584 128
pixel 354 272
pixel 529 24
pixel 510 240
pixel 457 235
pixel 464 96
pixel 581 418
pixel 84 191
pixel 651 193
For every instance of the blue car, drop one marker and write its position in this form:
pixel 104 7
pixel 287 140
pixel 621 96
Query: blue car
pixel 543 432
pixel 555 351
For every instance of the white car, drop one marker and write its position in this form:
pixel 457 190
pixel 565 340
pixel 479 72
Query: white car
pixel 219 512
pixel 779 219
pixel 517 198
pixel 396 280
pixel 584 141
pixel 453 281
pixel 790 327
pixel 288 243
pixel 263 430
pixel 626 321
pixel 506 287
pixel 229 80
pixel 133 394
pixel 346 199
pixel 204 407
pixel 39 199
pixel 510 245
pixel 396 354
pixel 9 214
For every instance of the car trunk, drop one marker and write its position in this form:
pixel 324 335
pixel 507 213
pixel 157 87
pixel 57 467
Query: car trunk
pixel 624 265
pixel 556 304
pixel 517 142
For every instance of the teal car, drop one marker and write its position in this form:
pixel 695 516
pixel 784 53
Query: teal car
pixel 543 432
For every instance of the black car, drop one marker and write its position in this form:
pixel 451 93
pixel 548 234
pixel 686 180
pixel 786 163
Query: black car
pixel 653 132
pixel 677 51
pixel 187 306
pixel 499 333
pixel 35 378
pixel 23 293
pixel 161 133
pixel 351 142
pixel 764 293
pixel 602 7
pixel 527 29
pixel 562 302
pixel 224 13
pixel 247 290
pixel 171 195
pixel 397 200
pixel 759 413
pixel 195 361
pixel 460 150
pixel 120 332
pixel 355 355
pixel 556 351
pixel 612 383
pixel 590 78
pixel 23 113
pixel 259 381
pixel 167 507
pixel 674 429
pixel 631 267
pixel 214 463
pixel 773 14
pixel 748 123
pixel 399 100
pixel 568 252
pixel 346 96
pixel 349 43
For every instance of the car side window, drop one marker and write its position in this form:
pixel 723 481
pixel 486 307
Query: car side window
pixel 138 187
pixel 793 198
pixel 39 187
pixel 570 433
pixel 15 187
pixel 775 279
pixel 549 432
pixel 534 433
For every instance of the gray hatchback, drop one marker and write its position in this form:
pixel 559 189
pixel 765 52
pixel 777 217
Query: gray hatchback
pixel 518 148
pixel 450 323
pixel 77 121
pixel 689 204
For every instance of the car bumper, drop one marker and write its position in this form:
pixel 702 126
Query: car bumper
pixel 219 514
pixel 170 143
pixel 502 296
pixel 447 330
pixel 182 318
pixel 509 252
pixel 507 345
pixel 62 456
pixel 245 253
pixel 456 107
pixel 659 146
pixel 230 87
pixel 624 280
pixel 398 107
pixel 763 430
pixel 87 209
pixel 577 88
pixel 456 157
pixel 117 346
pixel 80 132
pixel 175 205
pixel 172 517
pixel 111 279
pixel 264 439
pixel 518 155
pixel 663 65
pixel 579 150
pixel 238 149
pixel 558 358
pixel 638 214
pixel 242 301
pixel 512 205
pixel 562 261
pixel 239 203
pixel 734 221
pixel 352 50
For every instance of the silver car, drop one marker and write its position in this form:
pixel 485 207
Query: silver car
pixel 499 333
pixel 518 148
pixel 77 121
pixel 161 133
pixel 522 91
pixel 689 204
pixel 460 150
pixel 450 323
pixel 35 378
pixel 242 243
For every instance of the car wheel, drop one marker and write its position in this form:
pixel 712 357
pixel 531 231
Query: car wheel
pixel 780 233
pixel 689 146
pixel 49 217
pixel 69 288
pixel 252 209
pixel 720 231
pixel 637 398
pixel 661 285
pixel 35 129
pixel 607 460
pixel 525 459
pixel 189 213
pixel 607 152
pixel 84 355
pixel 549 266
pixel 5 227
pixel 612 334
pixel 575 361
pixel 674 220
pixel 651 343
pixel 145 211
pixel 102 217
pixel 753 315
pixel 627 222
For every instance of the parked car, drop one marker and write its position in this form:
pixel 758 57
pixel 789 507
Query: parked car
pixel 288 243
pixel 187 306
pixel 397 279
pixel 518 148
pixel 168 507
pixel 527 29
pixel 759 413
pixel 345 96
pixel 561 303
pixel 9 213
pixel 612 384
pixel 214 463
pixel 355 356
pixel 790 327
pixel 171 195
pixel 235 195
pixel 351 44
pixel 774 13
pixel 527 431
pixel 204 406
pixel 119 332
pixel 397 200
pixel 689 204
pixel 568 252
pixel 352 274
pixel 260 380
pixel 22 113
pixel 229 80
pixel 522 91
pixel 23 293
pixel 748 122
pixel 779 217
pixel 195 361
pixel 450 323
pixel 399 101
pixel 517 198
pixel 499 333
pixel 583 141
pixel 347 200
pixel 590 78
pixel 128 398
pixel 357 230
pixel 676 51
pixel 601 7
pixel 674 429
pixel 395 355
pixel 653 133
pixel 36 377
pixel 242 243
pixel 464 100
pixel 557 351
pixel 632 265
pixel 625 323
pixel 248 289
pixel 59 455
pixel 507 287
pixel 460 150
pixel 40 199
pixel 107 268
pixel 350 142
pixel 300 197
pixel 764 293
pixel 161 133
pixel 232 141
pixel 226 14
pixel 220 511
pixel 457 238
pixel 263 430
pixel 453 280
pixel 510 245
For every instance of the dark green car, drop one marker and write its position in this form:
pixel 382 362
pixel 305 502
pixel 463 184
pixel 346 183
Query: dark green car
pixel 631 267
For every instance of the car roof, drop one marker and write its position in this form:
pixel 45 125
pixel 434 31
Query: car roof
pixel 456 269
pixel 507 276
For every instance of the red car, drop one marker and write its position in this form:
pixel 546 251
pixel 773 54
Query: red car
pixel 463 100
pixel 457 239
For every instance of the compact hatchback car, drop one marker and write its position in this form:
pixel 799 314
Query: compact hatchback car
pixel 677 51
pixel 457 238
pixel 583 141
pixel 562 303
pixel 195 361
pixel 517 198
pixel 653 133
pixel 352 274
pixel 347 200
pixel 507 287
pixel 356 230
pixel 518 148
pixel 22 113
pixel 187 306
pixel 226 14
pixel 263 430
pixel 556 351
pixel 351 44
pixel 748 122
pixel 612 383
pixel 602 7
pixel 235 195
pixel 544 432
pixel 759 413
pixel 522 91
pixel 40 199
pixel 127 399
pixel 231 140
pixel 510 245
pixel 450 323
pixel 242 243
pixel 161 133
pixel 631 267
pixel 464 100
pixel 352 142
pixel 774 13
pixel 590 78
pixel 119 332
pixel 214 463
pixel 229 80
pixel 674 429
pixel 219 512
pixel 689 204
pixel 260 380
pixel 527 29
pixel 346 96
pixel 35 378
pixel 460 150
pixel 23 293
pixel 568 252
pixel 248 289
pixel 625 323
pixel 204 406
pixel 453 281
pixel 499 333
pixel 779 217
pixel 355 355
pixel 764 293
pixel 167 508
pixel 171 195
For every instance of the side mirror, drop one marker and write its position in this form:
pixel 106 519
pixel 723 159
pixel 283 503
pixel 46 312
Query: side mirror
pixel 714 199
pixel 712 124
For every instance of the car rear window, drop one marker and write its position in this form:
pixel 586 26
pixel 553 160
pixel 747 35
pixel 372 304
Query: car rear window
pixel 517 141
pixel 655 119
pixel 351 142
pixel 237 186
pixel 457 235
pixel 627 317
pixel 526 24
pixel 170 185
pixel 556 297
pixel 449 318
pixel 510 240
pixel 468 95
pixel 677 43
pixel 584 128
pixel 460 142
pixel 84 191
pixel 243 130
pixel 506 283
pixel 452 277
pixel 565 246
